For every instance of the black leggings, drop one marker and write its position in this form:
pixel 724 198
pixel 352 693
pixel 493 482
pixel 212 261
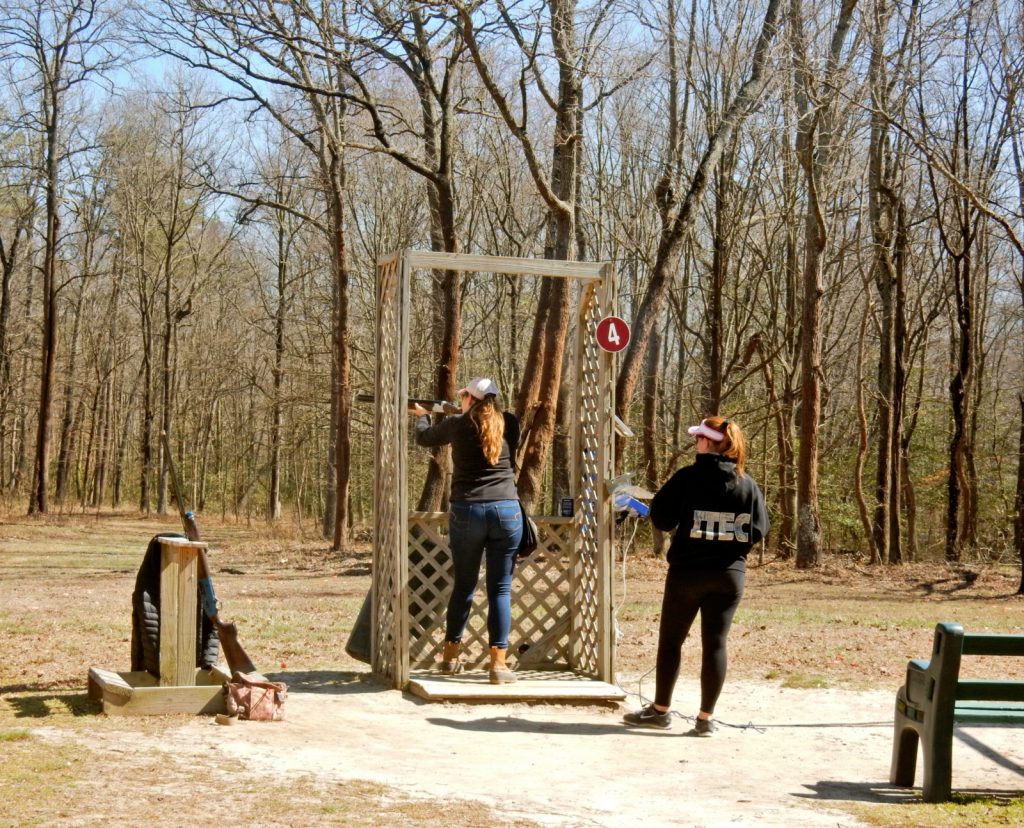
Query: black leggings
pixel 716 594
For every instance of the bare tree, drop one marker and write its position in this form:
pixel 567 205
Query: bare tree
pixel 962 145
pixel 816 102
pixel 425 46
pixel 886 211
pixel 542 375
pixel 678 197
pixel 58 45
pixel 263 53
pixel 19 188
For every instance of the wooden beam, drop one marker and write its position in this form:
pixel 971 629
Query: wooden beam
pixel 590 271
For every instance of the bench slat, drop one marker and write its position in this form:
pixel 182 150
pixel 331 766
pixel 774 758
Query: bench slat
pixel 982 713
pixel 993 644
pixel 990 690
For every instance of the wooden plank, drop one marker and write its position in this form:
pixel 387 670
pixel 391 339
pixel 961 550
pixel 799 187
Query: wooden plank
pixel 170 615
pixel 532 686
pixel 606 514
pixel 505 264
pixel 136 693
pixel 1006 713
pixel 157 701
pixel 107 681
pixel 996 644
pixel 990 690
pixel 401 549
pixel 178 608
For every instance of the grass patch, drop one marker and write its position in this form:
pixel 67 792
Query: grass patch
pixel 42 783
pixel 978 811
pixel 800 681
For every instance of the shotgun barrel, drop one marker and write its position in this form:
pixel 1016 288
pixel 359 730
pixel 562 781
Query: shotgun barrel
pixel 434 406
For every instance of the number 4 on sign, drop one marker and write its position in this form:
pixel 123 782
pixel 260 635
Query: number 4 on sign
pixel 612 334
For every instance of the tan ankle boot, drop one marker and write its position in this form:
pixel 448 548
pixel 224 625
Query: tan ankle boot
pixel 451 663
pixel 500 672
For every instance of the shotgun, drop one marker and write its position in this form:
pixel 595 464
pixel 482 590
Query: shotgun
pixel 434 406
pixel 236 657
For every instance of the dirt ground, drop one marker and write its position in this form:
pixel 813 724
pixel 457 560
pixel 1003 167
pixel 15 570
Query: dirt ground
pixel 803 758
pixel 805 719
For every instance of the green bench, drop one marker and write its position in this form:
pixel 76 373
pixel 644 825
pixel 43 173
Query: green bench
pixel 934 698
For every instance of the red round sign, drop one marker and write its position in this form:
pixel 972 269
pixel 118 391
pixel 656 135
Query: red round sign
pixel 612 334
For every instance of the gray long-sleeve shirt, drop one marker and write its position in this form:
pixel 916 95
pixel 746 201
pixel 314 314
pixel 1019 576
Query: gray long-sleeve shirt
pixel 473 478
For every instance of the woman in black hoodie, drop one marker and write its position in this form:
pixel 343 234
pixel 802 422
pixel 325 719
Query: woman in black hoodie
pixel 720 514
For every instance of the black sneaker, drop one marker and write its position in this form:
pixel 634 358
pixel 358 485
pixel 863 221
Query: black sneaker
pixel 648 716
pixel 703 727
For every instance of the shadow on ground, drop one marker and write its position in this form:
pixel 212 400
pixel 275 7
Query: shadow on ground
pixel 882 793
pixel 43 705
pixel 334 682
pixel 505 724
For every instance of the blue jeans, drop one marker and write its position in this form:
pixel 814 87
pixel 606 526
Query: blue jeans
pixel 494 526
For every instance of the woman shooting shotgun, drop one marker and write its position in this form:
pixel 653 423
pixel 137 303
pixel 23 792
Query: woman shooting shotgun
pixel 484 516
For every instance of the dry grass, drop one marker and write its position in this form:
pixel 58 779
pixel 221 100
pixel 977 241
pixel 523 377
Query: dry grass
pixel 66 585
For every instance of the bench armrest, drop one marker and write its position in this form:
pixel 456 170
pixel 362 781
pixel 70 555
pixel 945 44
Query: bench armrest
pixel 918 685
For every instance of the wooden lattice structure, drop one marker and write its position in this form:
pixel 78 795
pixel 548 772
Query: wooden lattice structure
pixel 562 595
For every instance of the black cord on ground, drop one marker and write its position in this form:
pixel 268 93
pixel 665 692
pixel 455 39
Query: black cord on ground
pixel 750 725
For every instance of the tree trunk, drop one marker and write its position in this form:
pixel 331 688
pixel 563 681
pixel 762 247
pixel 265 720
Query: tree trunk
pixel 9 259
pixel 41 471
pixel 68 423
pixel 722 230
pixel 448 320
pixel 550 338
pixel 678 215
pixel 1018 523
pixel 901 353
pixel 342 384
pixel 815 108
pixel 277 379
pixel 785 398
pixel 808 535
pixel 959 398
pixel 862 448
pixel 652 375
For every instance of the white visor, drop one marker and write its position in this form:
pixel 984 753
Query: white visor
pixel 704 430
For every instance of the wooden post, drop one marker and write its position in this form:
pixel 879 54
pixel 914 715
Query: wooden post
pixel 179 583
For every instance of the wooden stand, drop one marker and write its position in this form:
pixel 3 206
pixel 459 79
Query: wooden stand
pixel 181 688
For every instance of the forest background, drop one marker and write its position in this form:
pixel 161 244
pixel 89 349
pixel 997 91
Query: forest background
pixel 816 214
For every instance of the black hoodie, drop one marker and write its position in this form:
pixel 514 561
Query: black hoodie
pixel 720 514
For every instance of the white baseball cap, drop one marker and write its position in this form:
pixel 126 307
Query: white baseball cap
pixel 704 430
pixel 480 387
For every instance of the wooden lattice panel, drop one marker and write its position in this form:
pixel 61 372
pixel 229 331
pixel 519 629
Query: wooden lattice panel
pixel 540 596
pixel 389 483
pixel 591 454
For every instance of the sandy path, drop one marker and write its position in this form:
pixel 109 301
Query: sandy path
pixel 579 766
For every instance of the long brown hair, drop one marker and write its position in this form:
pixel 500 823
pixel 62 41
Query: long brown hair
pixel 734 445
pixel 490 425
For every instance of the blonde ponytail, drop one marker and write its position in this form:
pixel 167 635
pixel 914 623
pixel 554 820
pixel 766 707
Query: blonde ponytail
pixel 734 446
pixel 490 425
